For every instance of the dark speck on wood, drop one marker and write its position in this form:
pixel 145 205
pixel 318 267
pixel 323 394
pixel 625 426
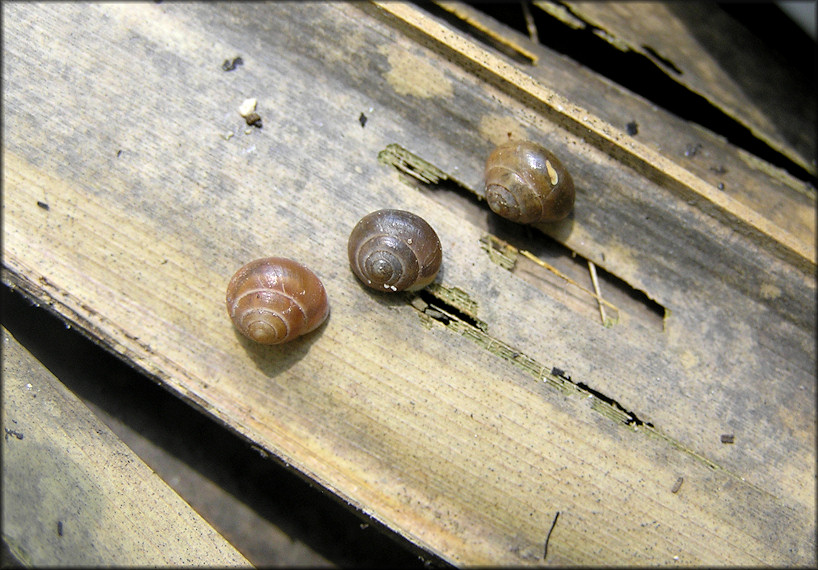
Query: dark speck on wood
pixel 677 485
pixel 229 65
pixel 254 120
pixel 11 432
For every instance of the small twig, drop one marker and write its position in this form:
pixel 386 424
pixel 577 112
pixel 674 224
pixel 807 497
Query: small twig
pixel 548 536
pixel 556 271
pixel 529 22
pixel 595 281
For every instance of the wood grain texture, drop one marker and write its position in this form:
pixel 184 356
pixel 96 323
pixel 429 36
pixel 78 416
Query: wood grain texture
pixel 596 131
pixel 75 495
pixel 697 45
pixel 121 129
pixel 784 200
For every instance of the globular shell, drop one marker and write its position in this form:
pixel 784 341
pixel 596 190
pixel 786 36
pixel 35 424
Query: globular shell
pixel 394 250
pixel 275 299
pixel 526 183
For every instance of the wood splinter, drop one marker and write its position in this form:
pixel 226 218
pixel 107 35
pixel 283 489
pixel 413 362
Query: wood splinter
pixel 595 281
pixel 554 270
pixel 530 24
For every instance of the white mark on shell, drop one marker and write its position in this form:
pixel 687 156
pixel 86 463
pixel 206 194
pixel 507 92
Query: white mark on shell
pixel 552 173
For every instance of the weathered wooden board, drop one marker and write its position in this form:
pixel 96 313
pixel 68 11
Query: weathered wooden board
pixel 698 45
pixel 75 495
pixel 596 132
pixel 462 438
pixel 785 201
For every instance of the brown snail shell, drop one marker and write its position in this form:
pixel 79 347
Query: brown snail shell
pixel 394 250
pixel 527 184
pixel 275 299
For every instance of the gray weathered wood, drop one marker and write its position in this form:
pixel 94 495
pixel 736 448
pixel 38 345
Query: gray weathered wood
pixel 697 45
pixel 75 495
pixel 119 118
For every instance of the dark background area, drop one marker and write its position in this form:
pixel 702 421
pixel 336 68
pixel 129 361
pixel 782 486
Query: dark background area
pixel 235 486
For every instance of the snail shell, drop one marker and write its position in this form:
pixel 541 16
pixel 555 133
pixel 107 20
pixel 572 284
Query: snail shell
pixel 525 183
pixel 274 300
pixel 394 250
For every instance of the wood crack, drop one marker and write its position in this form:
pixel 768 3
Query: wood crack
pixel 439 304
pixel 620 297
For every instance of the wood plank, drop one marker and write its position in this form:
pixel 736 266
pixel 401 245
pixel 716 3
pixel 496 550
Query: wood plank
pixel 75 495
pixel 595 130
pixel 465 440
pixel 768 191
pixel 700 47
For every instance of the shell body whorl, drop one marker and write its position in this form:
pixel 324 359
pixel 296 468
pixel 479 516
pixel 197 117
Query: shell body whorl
pixel 526 183
pixel 274 300
pixel 394 250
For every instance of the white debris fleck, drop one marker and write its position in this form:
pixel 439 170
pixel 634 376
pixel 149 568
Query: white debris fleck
pixel 247 107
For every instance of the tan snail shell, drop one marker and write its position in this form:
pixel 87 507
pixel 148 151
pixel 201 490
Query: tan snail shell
pixel 527 184
pixel 394 250
pixel 274 300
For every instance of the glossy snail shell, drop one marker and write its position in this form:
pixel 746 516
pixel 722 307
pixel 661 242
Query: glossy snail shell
pixel 274 300
pixel 525 183
pixel 394 250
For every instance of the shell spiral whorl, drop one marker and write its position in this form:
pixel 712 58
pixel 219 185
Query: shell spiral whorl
pixel 275 299
pixel 394 250
pixel 526 183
